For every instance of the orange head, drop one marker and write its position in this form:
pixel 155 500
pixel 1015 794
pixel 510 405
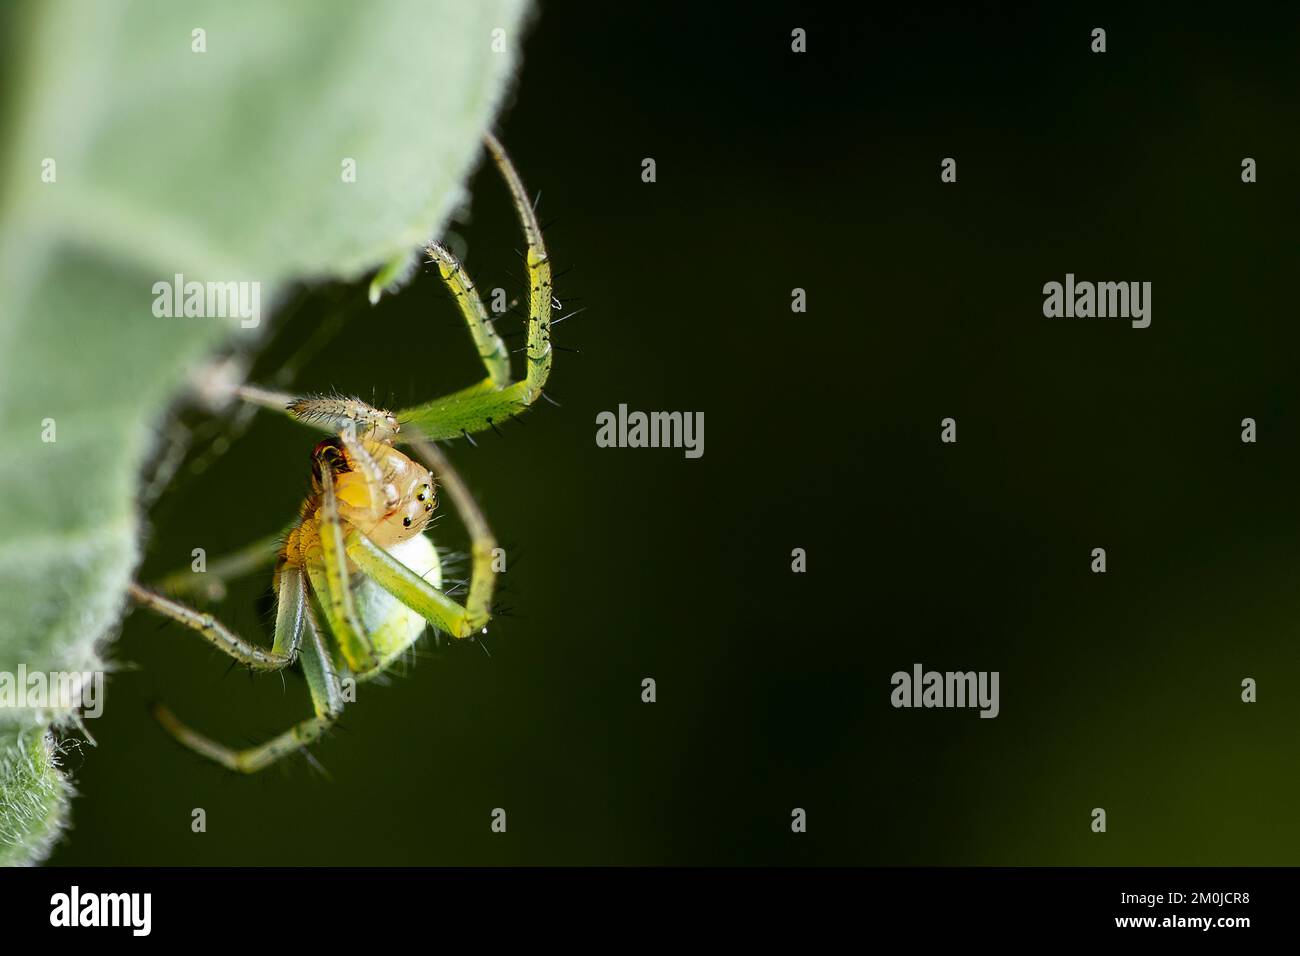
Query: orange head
pixel 390 498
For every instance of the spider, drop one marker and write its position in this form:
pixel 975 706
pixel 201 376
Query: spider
pixel 357 556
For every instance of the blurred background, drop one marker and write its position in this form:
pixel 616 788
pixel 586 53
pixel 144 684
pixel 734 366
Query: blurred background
pixel 819 171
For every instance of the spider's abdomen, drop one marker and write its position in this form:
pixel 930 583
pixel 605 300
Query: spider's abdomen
pixel 393 626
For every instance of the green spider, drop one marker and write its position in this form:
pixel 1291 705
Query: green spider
pixel 357 555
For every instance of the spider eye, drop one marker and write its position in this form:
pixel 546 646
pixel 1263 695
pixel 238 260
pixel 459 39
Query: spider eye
pixel 406 522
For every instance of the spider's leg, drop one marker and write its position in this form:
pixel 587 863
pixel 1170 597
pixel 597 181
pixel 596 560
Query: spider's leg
pixel 364 464
pixel 492 400
pixel 480 406
pixel 327 700
pixel 331 413
pixel 330 578
pixel 491 349
pixel 290 612
pixel 411 589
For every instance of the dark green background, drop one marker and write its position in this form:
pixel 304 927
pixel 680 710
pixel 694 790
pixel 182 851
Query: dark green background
pixel 818 171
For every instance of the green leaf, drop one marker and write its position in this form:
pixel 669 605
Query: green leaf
pixel 34 796
pixel 227 165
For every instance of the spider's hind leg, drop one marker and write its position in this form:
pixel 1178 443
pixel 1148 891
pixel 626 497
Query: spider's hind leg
pixel 327 700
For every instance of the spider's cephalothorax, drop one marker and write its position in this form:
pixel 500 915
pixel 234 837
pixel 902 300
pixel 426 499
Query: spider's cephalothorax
pixel 356 579
pixel 389 498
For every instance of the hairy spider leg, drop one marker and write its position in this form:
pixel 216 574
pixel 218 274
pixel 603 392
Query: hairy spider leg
pixel 290 612
pixel 327 701
pixel 491 348
pixel 364 463
pixel 480 406
pixel 328 572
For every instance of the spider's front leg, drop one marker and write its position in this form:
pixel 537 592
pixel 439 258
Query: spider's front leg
pixel 415 592
pixel 492 349
pixel 327 701
pixel 329 574
pixel 481 406
pixel 494 399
